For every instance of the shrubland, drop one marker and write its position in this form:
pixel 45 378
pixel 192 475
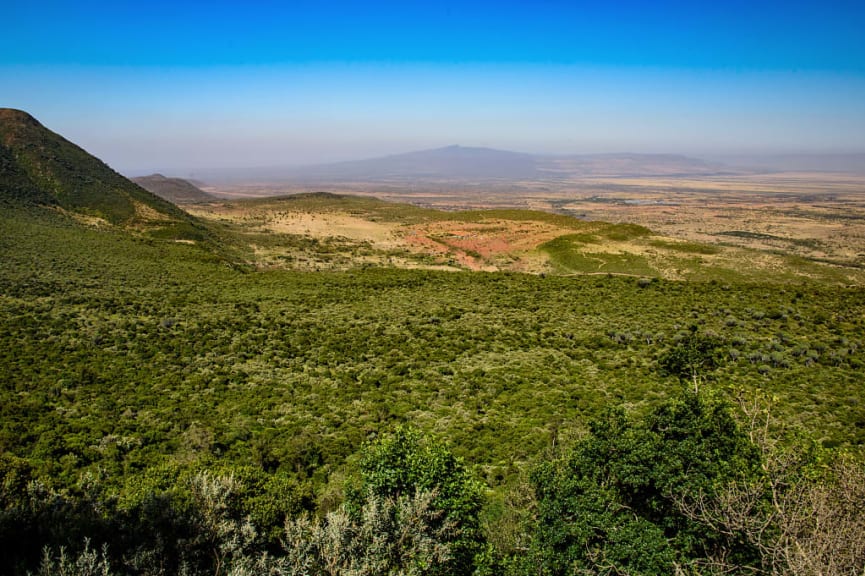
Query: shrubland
pixel 192 415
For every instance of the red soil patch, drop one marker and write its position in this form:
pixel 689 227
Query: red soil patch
pixel 479 245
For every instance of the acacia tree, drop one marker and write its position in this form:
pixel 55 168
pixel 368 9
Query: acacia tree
pixel 691 357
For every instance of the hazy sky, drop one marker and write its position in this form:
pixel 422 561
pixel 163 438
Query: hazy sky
pixel 181 87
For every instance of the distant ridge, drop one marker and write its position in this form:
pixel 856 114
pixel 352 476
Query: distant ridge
pixel 175 190
pixel 41 168
pixel 850 163
pixel 475 164
pixel 448 163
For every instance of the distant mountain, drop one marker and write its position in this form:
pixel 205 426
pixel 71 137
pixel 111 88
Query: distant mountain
pixel 465 164
pixel 175 190
pixel 41 168
pixel 449 163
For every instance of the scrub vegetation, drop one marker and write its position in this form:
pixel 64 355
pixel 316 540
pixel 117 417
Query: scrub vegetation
pixel 177 396
pixel 165 410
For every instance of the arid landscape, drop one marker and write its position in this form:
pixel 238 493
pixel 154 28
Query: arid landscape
pixel 817 217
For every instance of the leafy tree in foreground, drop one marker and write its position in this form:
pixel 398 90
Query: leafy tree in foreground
pixel 610 505
pixel 691 356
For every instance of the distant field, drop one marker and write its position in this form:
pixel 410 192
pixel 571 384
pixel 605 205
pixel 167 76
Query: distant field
pixel 817 217
pixel 323 231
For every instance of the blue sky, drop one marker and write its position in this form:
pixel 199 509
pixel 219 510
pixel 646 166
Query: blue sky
pixel 180 87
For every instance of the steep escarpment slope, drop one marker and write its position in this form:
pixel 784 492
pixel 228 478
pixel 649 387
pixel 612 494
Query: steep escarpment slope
pixel 41 168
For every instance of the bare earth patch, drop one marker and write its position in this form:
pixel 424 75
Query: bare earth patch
pixel 488 245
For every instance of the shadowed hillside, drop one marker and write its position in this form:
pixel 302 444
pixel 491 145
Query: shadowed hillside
pixel 175 190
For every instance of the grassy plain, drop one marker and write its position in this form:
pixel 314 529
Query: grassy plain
pixel 819 216
pixel 782 228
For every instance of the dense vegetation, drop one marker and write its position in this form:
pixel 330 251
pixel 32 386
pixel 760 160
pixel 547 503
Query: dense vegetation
pixel 166 407
pixel 157 399
pixel 179 409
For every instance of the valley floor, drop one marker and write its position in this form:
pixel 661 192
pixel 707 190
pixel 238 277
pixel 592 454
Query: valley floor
pixel 786 227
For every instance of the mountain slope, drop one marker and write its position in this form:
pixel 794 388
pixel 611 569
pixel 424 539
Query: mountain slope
pixel 448 163
pixel 16 186
pixel 175 190
pixel 40 167
pixel 471 164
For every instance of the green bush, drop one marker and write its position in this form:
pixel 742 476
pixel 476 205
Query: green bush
pixel 611 504
pixel 404 464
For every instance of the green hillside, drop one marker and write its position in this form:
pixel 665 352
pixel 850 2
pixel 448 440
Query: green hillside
pixel 136 363
pixel 41 168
